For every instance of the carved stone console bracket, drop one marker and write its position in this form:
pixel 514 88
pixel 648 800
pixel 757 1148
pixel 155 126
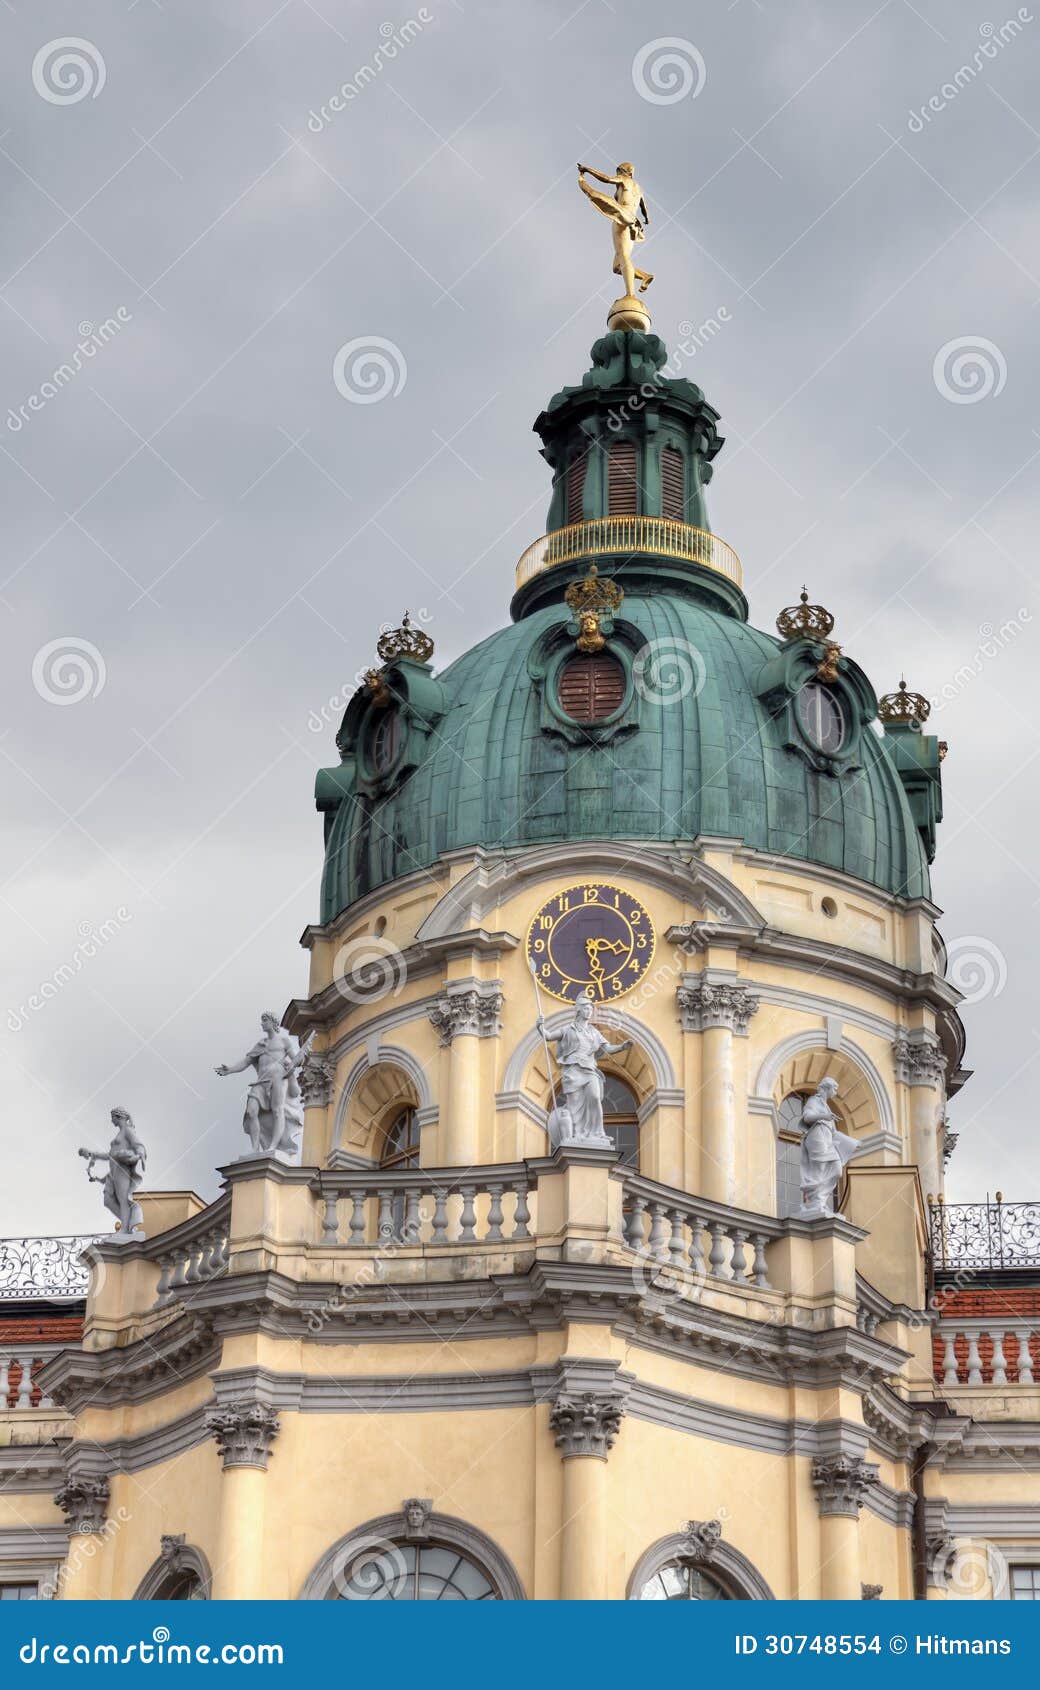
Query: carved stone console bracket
pixel 244 1433
pixel 842 1482
pixel 84 1502
pixel 587 1423
pixel 871 1592
pixel 475 1010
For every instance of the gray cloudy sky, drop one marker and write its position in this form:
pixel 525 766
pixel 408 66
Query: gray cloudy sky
pixel 219 531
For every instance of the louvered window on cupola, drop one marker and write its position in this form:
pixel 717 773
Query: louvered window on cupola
pixel 591 688
pixel 673 484
pixel 576 488
pixel 623 479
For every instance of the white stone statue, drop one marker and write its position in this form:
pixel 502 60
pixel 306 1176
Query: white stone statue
pixel 825 1151
pixel 580 1119
pixel 273 1117
pixel 126 1157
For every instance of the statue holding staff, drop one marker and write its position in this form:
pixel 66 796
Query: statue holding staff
pixel 578 1048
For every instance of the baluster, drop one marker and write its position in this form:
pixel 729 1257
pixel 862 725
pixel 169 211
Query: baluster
pixel 1025 1360
pixel 760 1267
pixel 440 1216
pixel 222 1254
pixel 45 1401
pixel 385 1224
pixel 179 1272
pixel 738 1261
pixel 999 1358
pixel 697 1262
pixel 677 1244
pixel 717 1254
pixel 162 1290
pixel 208 1261
pixel 633 1224
pixel 193 1258
pixel 522 1213
pixel 412 1227
pixel 949 1360
pixel 468 1217
pixel 357 1218
pixel 5 1381
pixel 494 1214
pixel 657 1231
pixel 25 1383
pixel 330 1219
pixel 974 1360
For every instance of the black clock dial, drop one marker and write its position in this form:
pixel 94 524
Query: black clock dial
pixel 593 939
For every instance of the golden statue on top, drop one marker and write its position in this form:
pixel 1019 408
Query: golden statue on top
pixel 629 217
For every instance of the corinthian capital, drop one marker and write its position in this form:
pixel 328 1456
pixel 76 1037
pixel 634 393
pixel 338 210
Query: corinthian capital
pixel 585 1424
pixel 918 1063
pixel 474 1011
pixel 84 1502
pixel 317 1077
pixel 716 1003
pixel 842 1482
pixel 244 1432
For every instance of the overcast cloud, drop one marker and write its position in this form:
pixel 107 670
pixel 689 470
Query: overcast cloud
pixel 200 504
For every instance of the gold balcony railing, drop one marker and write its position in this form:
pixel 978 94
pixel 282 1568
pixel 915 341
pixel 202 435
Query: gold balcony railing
pixel 632 535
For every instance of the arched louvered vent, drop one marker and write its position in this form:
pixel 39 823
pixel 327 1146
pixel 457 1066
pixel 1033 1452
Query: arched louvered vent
pixel 673 485
pixel 623 479
pixel 591 688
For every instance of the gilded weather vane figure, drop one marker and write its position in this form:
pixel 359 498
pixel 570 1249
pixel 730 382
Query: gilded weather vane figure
pixel 629 218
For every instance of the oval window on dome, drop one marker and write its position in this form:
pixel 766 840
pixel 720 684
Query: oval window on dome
pixel 591 688
pixel 822 717
pixel 383 740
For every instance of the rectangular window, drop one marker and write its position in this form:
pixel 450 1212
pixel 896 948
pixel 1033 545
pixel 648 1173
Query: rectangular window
pixel 1025 1584
pixel 18 1592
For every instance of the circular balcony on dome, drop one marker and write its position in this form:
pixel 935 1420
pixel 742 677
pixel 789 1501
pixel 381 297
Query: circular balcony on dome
pixel 628 536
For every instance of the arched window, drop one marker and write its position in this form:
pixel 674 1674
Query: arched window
pixel 181 1574
pixel 621 1120
pixel 623 478
pixel 673 484
pixel 591 688
pixel 400 1148
pixel 822 717
pixel 576 488
pixel 414 1556
pixel 679 1582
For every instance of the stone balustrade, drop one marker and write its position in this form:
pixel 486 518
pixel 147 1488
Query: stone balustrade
pixel 18 1369
pixel 194 1252
pixel 426 1206
pixel 710 1239
pixel 987 1352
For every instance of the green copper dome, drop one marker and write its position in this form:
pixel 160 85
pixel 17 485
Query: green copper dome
pixel 663 718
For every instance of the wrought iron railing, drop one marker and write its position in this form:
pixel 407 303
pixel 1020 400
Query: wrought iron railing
pixel 632 535
pixel 43 1268
pixel 985 1235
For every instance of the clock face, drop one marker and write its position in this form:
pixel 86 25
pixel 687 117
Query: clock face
pixel 594 940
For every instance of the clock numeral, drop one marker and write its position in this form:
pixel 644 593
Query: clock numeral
pixel 592 894
pixel 537 945
pixel 641 941
pixel 545 922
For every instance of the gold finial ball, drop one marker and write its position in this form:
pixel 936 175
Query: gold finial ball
pixel 629 313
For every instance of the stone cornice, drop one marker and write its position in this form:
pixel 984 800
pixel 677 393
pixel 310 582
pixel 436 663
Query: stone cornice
pixel 182 1350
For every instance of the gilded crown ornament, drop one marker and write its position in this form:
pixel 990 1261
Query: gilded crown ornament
pixel 404 641
pixel 910 708
pixel 805 621
pixel 589 600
